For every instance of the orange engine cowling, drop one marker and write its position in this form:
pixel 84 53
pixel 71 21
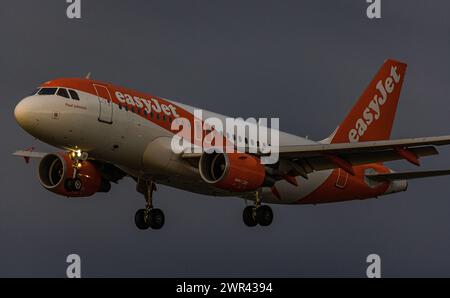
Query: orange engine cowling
pixel 236 172
pixel 54 169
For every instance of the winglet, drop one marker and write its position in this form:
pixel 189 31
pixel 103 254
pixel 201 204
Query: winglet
pixel 27 158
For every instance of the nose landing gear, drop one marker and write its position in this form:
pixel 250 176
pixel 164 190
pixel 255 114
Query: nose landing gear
pixel 257 214
pixel 149 217
pixel 75 184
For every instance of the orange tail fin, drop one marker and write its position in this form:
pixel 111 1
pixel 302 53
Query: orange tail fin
pixel 371 118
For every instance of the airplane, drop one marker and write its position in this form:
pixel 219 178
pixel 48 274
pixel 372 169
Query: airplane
pixel 108 132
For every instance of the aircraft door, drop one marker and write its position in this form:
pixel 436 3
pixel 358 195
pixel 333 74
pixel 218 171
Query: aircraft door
pixel 104 98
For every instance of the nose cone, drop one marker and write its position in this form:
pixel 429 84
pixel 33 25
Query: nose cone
pixel 25 115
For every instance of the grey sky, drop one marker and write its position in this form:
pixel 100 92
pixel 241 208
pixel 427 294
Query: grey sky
pixel 303 61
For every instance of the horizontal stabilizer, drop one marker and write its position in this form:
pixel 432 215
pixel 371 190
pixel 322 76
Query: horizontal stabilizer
pixel 407 175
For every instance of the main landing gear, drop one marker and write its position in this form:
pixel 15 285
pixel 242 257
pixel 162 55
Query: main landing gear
pixel 149 217
pixel 257 214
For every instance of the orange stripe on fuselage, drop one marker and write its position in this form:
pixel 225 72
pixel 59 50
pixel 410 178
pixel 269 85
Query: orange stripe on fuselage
pixel 87 86
pixel 354 189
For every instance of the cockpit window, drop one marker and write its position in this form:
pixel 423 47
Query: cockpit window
pixel 63 92
pixel 47 91
pixel 74 95
pixel 35 91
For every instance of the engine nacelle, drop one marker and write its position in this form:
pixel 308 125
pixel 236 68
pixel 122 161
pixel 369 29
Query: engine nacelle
pixel 54 169
pixel 236 172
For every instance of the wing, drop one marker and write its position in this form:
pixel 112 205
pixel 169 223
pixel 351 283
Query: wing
pixel 304 159
pixel 308 150
pixel 318 157
pixel 407 175
pixel 29 153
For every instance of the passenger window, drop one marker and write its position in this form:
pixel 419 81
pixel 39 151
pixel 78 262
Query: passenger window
pixel 47 91
pixel 74 95
pixel 63 92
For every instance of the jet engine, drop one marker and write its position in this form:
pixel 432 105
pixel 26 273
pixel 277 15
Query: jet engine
pixel 236 172
pixel 56 175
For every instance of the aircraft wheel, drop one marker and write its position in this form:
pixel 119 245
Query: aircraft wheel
pixel 247 216
pixel 142 219
pixel 264 215
pixel 156 217
pixel 68 184
pixel 77 184
pixel 73 184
